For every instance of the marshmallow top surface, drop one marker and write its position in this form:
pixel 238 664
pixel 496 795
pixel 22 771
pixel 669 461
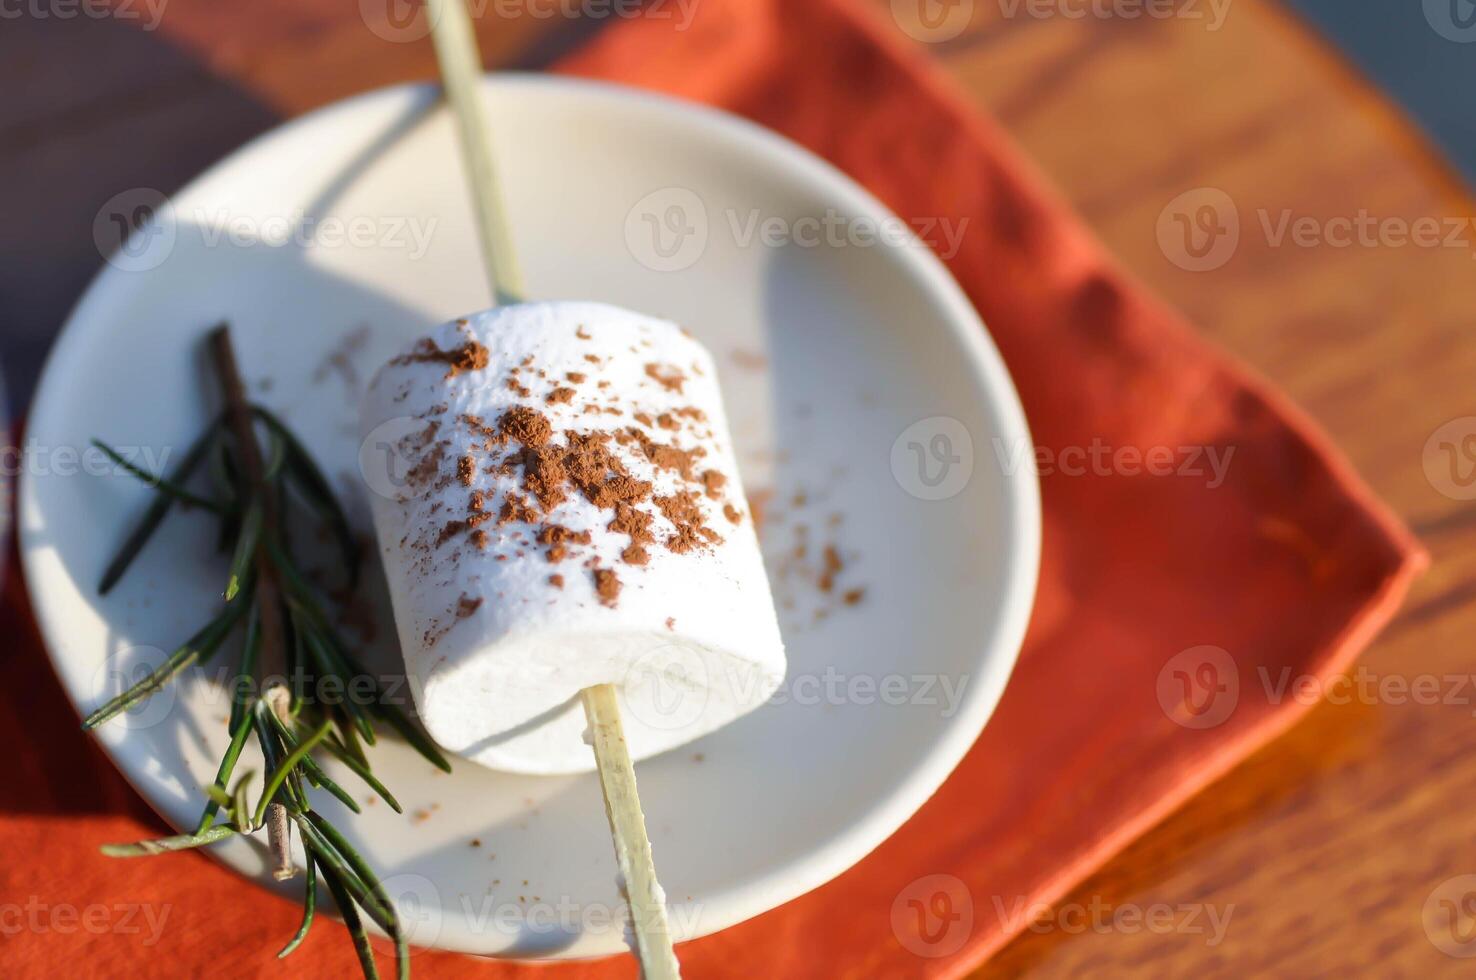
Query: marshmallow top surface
pixel 558 505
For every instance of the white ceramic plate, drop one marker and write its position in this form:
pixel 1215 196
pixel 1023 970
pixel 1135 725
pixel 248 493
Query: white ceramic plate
pixel 858 378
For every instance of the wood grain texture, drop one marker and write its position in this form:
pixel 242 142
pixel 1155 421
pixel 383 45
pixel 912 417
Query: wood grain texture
pixel 1322 849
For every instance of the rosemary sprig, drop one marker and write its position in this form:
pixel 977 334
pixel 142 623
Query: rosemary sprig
pixel 290 647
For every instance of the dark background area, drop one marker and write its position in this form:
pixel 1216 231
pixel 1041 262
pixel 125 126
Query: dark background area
pixel 1427 63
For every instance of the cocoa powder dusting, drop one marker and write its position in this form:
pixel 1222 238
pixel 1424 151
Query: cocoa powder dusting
pixel 607 586
pixel 691 534
pixel 813 573
pixel 521 443
pixel 450 530
pixel 470 356
pixel 465 606
pixel 558 538
pixel 661 455
pixel 516 509
pixel 428 466
pixel 544 475
pixel 713 483
pixel 668 377
pixel 831 569
pixel 525 425
pixel 634 523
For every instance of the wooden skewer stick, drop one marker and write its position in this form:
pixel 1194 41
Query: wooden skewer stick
pixel 461 72
pixel 628 827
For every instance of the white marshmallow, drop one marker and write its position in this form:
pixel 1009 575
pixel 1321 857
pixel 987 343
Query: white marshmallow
pixel 499 639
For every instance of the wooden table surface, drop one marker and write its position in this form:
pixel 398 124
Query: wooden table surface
pixel 1329 842
pixel 1325 847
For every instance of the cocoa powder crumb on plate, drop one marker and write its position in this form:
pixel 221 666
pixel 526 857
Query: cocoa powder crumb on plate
pixel 748 360
pixel 833 566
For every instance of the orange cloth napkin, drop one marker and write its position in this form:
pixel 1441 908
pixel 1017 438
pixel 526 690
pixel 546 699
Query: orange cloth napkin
pixel 1107 725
